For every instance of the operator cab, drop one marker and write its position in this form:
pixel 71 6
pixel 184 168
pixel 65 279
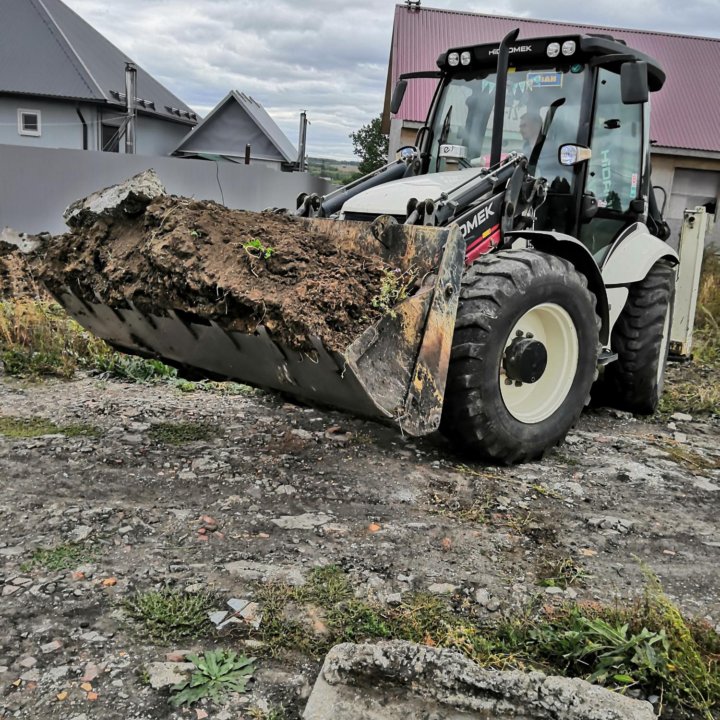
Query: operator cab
pixel 566 90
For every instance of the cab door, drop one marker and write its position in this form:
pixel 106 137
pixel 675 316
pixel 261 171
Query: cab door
pixel 614 172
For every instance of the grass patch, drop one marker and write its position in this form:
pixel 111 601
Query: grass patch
pixel 688 458
pixel 169 433
pixel 37 338
pixel 695 387
pixel 562 573
pixel 17 427
pixel 63 557
pixel 169 615
pixel 647 645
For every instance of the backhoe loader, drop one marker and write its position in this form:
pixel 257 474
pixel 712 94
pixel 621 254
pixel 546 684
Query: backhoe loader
pixel 544 262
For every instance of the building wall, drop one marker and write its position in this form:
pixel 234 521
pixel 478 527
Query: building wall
pixel 37 184
pixel 60 126
pixel 689 181
pixel 154 136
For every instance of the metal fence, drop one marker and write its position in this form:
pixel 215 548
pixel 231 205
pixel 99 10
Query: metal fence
pixel 37 184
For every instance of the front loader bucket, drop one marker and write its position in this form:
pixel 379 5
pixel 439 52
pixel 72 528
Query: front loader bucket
pixel 394 371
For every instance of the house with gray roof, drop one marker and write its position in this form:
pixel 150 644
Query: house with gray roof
pixel 63 85
pixel 685 118
pixel 239 129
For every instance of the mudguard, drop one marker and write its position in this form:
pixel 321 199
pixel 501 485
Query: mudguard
pixel 633 254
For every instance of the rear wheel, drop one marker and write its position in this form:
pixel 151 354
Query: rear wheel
pixel 641 338
pixel 524 356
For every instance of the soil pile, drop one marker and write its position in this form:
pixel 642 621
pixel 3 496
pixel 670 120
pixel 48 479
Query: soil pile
pixel 240 269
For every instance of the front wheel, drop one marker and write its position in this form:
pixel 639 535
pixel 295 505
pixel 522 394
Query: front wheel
pixel 524 356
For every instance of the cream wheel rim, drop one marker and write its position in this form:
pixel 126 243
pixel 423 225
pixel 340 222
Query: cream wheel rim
pixel 551 325
pixel 663 351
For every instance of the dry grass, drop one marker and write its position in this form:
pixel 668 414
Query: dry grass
pixel 695 387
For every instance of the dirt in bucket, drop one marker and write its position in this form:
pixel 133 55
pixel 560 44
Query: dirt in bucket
pixel 239 269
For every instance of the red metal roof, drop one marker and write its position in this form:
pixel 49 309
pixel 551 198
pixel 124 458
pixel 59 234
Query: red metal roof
pixel 686 112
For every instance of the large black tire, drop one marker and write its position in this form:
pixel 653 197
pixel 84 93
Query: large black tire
pixel 641 338
pixel 481 413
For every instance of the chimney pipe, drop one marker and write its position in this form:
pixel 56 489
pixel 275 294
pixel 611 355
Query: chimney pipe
pixel 247 154
pixel 302 141
pixel 130 95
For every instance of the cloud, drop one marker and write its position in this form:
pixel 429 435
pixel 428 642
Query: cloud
pixel 328 57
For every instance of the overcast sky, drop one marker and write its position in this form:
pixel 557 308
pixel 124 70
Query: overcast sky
pixel 328 57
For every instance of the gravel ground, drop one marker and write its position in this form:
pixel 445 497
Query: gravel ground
pixel 286 488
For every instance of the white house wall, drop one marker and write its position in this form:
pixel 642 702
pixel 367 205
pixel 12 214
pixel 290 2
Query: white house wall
pixel 60 126
pixel 154 136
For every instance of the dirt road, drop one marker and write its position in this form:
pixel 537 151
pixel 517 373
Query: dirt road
pixel 286 488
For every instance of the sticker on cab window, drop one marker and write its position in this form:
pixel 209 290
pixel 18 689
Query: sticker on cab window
pixel 545 79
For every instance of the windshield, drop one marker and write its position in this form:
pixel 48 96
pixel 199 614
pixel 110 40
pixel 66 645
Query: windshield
pixel 464 117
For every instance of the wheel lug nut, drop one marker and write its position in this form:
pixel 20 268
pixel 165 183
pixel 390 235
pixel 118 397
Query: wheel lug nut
pixel 519 333
pixel 530 336
pixel 518 383
pixel 508 381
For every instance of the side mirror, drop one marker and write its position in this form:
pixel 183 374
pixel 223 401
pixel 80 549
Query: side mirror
pixel 406 152
pixel 573 154
pixel 397 96
pixel 634 83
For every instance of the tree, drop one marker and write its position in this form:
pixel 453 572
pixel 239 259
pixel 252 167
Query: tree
pixel 371 145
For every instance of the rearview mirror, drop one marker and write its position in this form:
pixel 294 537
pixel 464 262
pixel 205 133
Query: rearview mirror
pixel 573 154
pixel 634 83
pixel 397 96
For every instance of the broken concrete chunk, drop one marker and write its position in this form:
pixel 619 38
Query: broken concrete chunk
pixel 397 680
pixel 124 200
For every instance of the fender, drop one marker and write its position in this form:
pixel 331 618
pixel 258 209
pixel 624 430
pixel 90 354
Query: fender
pixel 571 249
pixel 633 254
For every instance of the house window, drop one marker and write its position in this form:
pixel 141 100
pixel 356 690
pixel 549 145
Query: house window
pixel 29 122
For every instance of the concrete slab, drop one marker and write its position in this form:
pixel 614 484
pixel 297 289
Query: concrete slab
pixel 397 680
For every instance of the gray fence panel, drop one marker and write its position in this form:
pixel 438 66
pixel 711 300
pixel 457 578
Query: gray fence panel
pixel 37 184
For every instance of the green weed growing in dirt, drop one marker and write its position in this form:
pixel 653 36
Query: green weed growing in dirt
pixel 256 249
pixel 134 369
pixel 169 615
pixel 395 287
pixel 62 557
pixel 218 673
pixel 170 433
pixel 17 427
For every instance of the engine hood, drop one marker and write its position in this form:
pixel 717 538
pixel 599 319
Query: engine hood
pixel 392 197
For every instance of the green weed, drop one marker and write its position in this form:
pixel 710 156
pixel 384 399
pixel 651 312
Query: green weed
pixel 63 557
pixel 169 615
pixel 395 287
pixel 218 673
pixel 256 249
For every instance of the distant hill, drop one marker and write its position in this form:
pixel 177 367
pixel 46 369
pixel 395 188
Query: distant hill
pixel 338 171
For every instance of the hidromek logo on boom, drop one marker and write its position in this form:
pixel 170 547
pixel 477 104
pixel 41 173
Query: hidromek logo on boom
pixel 478 219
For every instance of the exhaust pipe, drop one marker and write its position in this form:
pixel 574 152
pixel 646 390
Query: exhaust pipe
pixel 302 141
pixel 130 95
